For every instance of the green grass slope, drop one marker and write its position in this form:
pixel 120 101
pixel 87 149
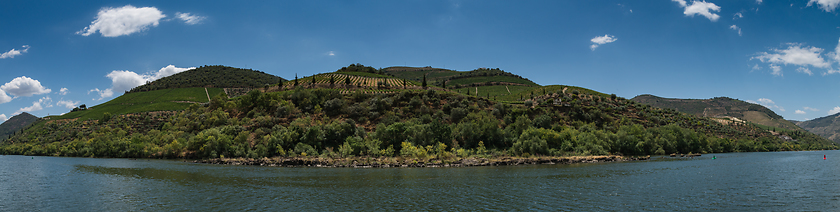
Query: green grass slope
pixel 136 102
pixel 721 107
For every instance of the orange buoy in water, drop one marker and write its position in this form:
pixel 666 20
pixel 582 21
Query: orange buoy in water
pixel 823 157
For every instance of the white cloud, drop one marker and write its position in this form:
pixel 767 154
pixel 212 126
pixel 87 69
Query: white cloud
pixel 331 53
pixel 811 109
pixel 759 1
pixel 805 70
pixel 795 54
pixel 37 105
pixel 102 93
pixel 68 104
pixel 799 112
pixel 189 18
pixel 24 86
pixel 3 117
pixel 115 22
pixel 700 7
pixel 834 111
pixel 777 70
pixel 168 71
pixel 825 5
pixel 836 54
pixel 737 16
pixel 736 28
pixel 14 52
pixel 767 103
pixel 126 80
pixel 756 67
pixel 63 91
pixel 601 40
pixel 4 98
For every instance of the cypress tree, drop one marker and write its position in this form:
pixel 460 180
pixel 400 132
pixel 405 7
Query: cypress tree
pixel 296 80
pixel 424 81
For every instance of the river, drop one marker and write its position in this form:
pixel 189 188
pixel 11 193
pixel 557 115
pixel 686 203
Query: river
pixel 776 181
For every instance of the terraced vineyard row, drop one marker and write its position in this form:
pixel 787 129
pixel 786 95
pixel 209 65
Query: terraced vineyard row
pixel 324 79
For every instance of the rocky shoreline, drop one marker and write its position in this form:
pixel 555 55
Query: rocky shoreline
pixel 393 162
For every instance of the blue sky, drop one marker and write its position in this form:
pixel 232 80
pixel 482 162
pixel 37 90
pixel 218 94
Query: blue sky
pixel 55 55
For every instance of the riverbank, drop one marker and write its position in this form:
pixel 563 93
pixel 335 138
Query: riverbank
pixel 391 162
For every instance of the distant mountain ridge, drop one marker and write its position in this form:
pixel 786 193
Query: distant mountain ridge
pixel 827 127
pixel 721 107
pixel 16 123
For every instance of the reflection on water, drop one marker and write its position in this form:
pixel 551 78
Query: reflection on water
pixel 739 181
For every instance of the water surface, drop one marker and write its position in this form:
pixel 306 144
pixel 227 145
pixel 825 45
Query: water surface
pixel 779 181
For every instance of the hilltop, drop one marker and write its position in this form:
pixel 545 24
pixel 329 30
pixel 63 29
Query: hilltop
pixel 724 109
pixel 364 112
pixel 177 92
pixel 486 82
pixel 212 76
pixel 828 126
pixel 15 124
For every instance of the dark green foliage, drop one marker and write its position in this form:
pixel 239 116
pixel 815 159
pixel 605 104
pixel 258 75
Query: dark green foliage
pixel 211 76
pixel 105 117
pixel 457 114
pixel 334 106
pixel 360 68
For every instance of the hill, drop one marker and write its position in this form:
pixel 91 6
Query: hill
pixel 828 127
pixel 433 75
pixel 355 112
pixel 212 76
pixel 485 82
pixel 724 109
pixel 15 124
pixel 371 117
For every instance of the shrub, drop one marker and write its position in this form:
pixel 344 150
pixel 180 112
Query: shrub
pixel 530 142
pixel 305 150
pixel 334 106
pixel 457 114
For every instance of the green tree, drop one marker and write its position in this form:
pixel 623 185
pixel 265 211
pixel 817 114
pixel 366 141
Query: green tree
pixel 105 117
pixel 296 80
pixel 280 84
pixel 424 81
